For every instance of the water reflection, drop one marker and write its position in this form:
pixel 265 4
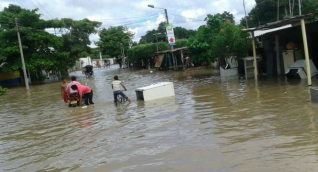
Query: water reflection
pixel 212 124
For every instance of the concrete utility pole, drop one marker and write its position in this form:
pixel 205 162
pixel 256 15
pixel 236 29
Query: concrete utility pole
pixel 245 14
pixel 156 34
pixel 299 7
pixel 100 57
pixel 167 16
pixel 22 57
pixel 278 10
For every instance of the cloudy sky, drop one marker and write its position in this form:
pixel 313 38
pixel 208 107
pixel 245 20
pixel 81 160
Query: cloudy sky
pixel 135 14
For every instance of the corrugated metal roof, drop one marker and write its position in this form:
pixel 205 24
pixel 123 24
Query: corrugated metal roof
pixel 294 20
pixel 258 33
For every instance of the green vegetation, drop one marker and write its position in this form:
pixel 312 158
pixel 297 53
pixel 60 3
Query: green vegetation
pixel 146 51
pixel 220 38
pixel 3 91
pixel 270 11
pixel 179 32
pixel 42 50
pixel 113 38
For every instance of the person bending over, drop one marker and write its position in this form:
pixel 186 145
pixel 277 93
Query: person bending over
pixel 116 90
pixel 84 92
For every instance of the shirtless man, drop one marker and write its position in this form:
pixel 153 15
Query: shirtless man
pixel 64 94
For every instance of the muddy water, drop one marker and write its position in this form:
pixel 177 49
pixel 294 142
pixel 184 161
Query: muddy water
pixel 212 124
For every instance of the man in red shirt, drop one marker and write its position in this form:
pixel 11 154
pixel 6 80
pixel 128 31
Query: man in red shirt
pixel 84 92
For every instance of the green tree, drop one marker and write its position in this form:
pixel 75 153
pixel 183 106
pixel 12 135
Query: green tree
pixel 179 32
pixel 270 11
pixel 111 39
pixel 182 33
pixel 230 41
pixel 39 47
pixel 42 50
pixel 199 46
pixel 76 39
pixel 149 37
pixel 219 39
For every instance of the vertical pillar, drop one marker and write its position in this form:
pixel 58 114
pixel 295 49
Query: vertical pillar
pixel 182 59
pixel 22 58
pixel 277 54
pixel 303 29
pixel 254 55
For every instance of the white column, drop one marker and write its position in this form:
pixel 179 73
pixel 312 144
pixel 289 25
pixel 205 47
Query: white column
pixel 277 54
pixel 101 60
pixel 303 29
pixel 254 55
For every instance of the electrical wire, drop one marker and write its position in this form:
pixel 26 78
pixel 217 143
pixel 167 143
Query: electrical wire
pixel 38 8
pixel 186 17
pixel 44 9
pixel 132 17
pixel 20 3
pixel 135 21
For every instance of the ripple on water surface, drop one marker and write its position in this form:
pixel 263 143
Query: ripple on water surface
pixel 212 124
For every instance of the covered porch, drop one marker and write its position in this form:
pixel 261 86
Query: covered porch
pixel 171 59
pixel 274 40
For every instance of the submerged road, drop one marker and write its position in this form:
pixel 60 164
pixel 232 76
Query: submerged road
pixel 212 124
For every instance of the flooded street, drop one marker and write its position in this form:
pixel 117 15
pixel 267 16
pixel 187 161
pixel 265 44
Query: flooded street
pixel 212 124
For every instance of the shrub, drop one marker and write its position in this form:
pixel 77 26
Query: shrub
pixel 2 91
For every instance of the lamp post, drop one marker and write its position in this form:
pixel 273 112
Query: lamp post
pixel 152 6
pixel 166 13
pixel 122 49
pixel 156 34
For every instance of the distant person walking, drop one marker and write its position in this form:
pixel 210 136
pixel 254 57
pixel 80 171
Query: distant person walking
pixel 187 61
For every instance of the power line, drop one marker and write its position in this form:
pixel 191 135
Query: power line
pixel 44 9
pixel 132 17
pixel 19 3
pixel 186 17
pixel 37 7
pixel 134 21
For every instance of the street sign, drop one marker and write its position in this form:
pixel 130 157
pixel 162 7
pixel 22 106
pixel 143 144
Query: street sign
pixel 170 34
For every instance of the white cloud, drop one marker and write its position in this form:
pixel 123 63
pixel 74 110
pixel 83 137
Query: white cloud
pixel 135 15
pixel 193 13
pixel 4 4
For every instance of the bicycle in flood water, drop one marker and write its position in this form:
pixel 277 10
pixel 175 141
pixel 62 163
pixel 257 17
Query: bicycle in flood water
pixel 120 99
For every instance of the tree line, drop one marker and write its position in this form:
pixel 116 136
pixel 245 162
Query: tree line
pixel 69 39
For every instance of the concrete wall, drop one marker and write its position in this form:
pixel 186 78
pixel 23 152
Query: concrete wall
pixel 79 64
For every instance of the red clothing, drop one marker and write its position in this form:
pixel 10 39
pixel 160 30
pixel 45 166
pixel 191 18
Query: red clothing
pixel 68 87
pixel 65 97
pixel 82 89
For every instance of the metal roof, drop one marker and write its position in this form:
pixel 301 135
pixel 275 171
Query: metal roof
pixel 258 33
pixel 293 21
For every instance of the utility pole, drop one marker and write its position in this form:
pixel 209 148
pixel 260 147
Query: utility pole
pixel 278 10
pixel 100 57
pixel 156 34
pixel 22 57
pixel 290 12
pixel 122 52
pixel 245 13
pixel 167 16
pixel 299 7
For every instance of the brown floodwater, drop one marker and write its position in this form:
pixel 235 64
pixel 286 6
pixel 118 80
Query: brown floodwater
pixel 212 124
